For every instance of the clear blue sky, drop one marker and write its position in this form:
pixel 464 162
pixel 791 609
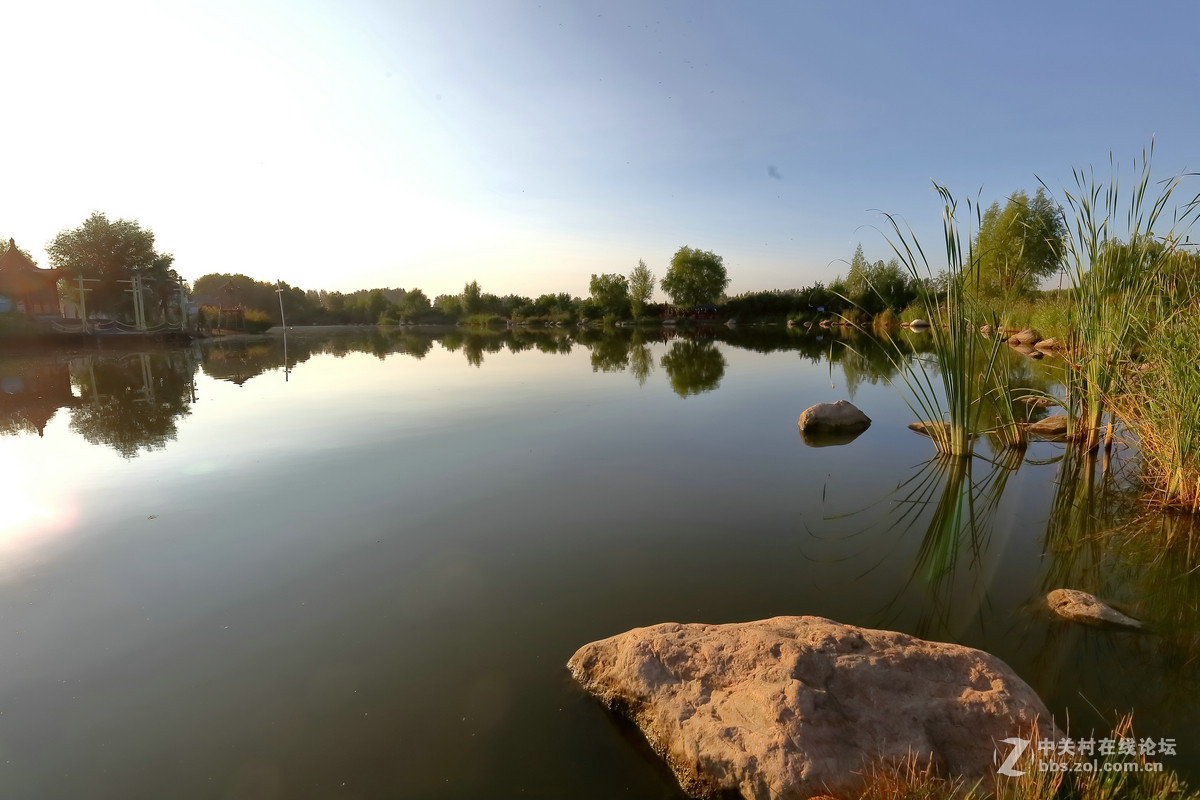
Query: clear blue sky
pixel 347 145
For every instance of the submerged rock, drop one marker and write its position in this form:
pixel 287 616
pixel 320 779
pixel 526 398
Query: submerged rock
pixel 919 323
pixel 938 431
pixel 841 417
pixel 1077 606
pixel 793 707
pixel 1049 344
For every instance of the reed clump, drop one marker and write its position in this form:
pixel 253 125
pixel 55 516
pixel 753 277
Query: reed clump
pixel 1133 342
pixel 1161 403
pixel 968 367
pixel 1117 283
pixel 1129 319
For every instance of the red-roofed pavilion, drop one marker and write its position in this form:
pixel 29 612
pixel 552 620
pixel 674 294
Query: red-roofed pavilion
pixel 26 289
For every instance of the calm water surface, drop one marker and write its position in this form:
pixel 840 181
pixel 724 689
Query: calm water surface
pixel 359 573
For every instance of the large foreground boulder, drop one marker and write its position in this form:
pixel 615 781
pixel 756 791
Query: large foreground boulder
pixel 794 707
pixel 841 417
pixel 1086 608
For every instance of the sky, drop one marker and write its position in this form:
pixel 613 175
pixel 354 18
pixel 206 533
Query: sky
pixel 527 145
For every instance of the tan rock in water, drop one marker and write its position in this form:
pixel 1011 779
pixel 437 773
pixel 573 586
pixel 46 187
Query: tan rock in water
pixel 1027 337
pixel 1051 427
pixel 794 707
pixel 1077 606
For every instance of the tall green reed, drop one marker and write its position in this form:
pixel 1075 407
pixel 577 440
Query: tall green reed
pixel 967 365
pixel 1115 282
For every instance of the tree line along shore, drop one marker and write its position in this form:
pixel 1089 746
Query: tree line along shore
pixel 1127 309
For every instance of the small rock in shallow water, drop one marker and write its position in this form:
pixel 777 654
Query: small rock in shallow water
pixel 839 417
pixel 937 430
pixel 1077 606
pixel 1051 427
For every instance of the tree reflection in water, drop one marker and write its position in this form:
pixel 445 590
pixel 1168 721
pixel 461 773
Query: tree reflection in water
pixel 693 366
pixel 131 402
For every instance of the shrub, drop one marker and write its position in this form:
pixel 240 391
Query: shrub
pixel 257 321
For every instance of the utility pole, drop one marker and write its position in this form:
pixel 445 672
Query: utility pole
pixel 139 314
pixel 282 320
pixel 140 301
pixel 183 306
pixel 83 299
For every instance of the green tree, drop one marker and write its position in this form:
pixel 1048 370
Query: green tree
pixel 879 286
pixel 1019 245
pixel 413 305
pixel 377 305
pixel 108 251
pixel 472 298
pixel 641 288
pixel 450 305
pixel 610 291
pixel 696 277
pixel 858 280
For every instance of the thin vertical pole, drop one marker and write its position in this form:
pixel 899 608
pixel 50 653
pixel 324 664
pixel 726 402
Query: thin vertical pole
pixel 83 303
pixel 282 319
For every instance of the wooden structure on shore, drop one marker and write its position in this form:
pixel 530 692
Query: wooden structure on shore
pixel 25 288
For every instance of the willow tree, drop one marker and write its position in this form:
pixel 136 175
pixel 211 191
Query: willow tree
pixel 696 277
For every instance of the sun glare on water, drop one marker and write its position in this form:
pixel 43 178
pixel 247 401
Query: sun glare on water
pixel 33 516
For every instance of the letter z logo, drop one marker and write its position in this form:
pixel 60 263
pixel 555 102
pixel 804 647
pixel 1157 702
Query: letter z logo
pixel 1018 748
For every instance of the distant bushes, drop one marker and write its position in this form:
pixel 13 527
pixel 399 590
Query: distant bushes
pixel 256 321
pixel 798 304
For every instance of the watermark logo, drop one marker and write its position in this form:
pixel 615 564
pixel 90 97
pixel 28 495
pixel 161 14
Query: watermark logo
pixel 1071 755
pixel 1019 746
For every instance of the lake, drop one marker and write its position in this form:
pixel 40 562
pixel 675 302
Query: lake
pixel 357 570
